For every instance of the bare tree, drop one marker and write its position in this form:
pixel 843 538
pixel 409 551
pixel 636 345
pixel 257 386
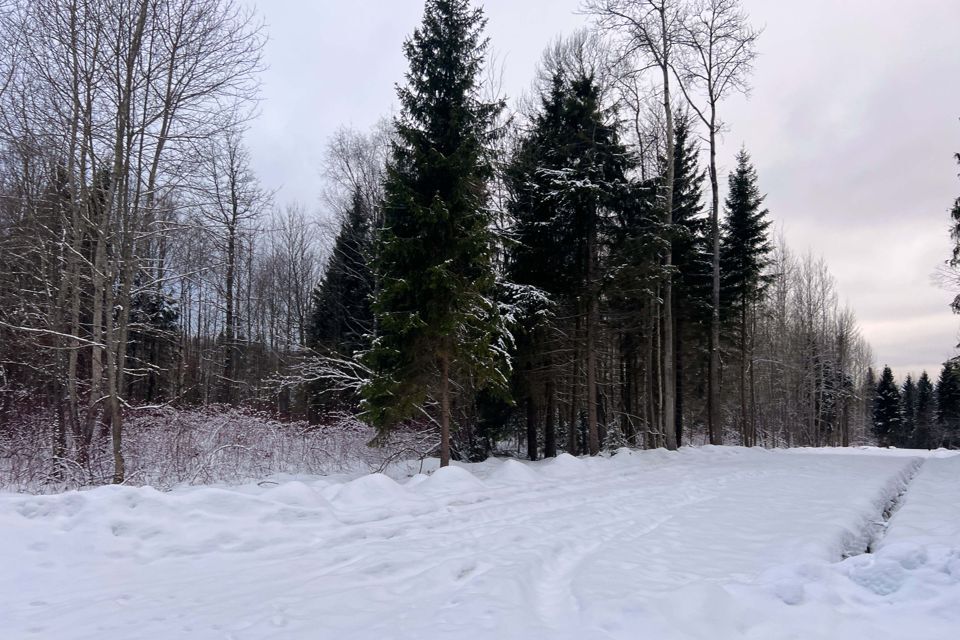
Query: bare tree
pixel 111 99
pixel 717 53
pixel 231 203
pixel 648 31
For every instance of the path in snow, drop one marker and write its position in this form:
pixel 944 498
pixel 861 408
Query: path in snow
pixel 653 545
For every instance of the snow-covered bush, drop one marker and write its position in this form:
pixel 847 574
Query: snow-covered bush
pixel 166 447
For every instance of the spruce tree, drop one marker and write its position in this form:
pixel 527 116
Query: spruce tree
pixel 744 255
pixel 568 177
pixel 534 262
pixel 691 259
pixel 341 318
pixel 925 420
pixel 948 405
pixel 908 423
pixel 435 314
pixel 887 418
pixel 745 244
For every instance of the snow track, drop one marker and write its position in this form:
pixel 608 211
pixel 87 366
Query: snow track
pixel 879 530
pixel 649 544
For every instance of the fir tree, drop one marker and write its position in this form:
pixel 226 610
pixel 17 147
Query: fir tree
pixel 744 255
pixel 436 319
pixel 923 433
pixel 887 418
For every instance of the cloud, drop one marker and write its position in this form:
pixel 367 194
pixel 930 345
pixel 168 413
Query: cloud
pixel 852 124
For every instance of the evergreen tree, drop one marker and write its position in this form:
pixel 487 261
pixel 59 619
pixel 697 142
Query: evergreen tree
pixel 436 319
pixel 887 418
pixel 341 318
pixel 745 244
pixel 534 260
pixel 869 398
pixel 635 277
pixel 948 405
pixel 153 340
pixel 744 255
pixel 567 178
pixel 691 260
pixel 908 423
pixel 925 420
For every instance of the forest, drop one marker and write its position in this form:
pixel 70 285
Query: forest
pixel 566 272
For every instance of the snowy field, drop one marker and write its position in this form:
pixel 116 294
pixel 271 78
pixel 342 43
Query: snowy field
pixel 702 544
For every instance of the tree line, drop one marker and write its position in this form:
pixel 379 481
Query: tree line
pixel 557 275
pixel 919 413
pixel 568 275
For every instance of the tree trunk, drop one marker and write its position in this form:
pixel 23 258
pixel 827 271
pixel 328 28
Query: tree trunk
pixel 532 447
pixel 98 280
pixel 713 393
pixel 680 382
pixel 229 373
pixel 113 401
pixel 550 430
pixel 753 381
pixel 444 410
pixel 669 373
pixel 744 417
pixel 574 436
pixel 655 428
pixel 593 433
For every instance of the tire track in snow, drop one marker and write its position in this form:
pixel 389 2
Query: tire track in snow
pixel 556 603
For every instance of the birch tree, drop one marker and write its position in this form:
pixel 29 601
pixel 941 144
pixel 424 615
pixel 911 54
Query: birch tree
pixel 717 49
pixel 649 32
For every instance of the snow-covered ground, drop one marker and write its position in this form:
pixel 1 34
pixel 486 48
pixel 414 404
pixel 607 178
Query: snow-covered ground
pixel 706 543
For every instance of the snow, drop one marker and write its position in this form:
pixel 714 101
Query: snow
pixel 708 543
pixel 930 513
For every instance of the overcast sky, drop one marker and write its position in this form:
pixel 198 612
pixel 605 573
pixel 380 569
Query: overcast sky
pixel 852 124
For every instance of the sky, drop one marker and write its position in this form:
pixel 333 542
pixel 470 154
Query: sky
pixel 852 123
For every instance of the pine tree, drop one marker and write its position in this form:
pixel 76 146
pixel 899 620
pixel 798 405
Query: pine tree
pixel 744 255
pixel 923 433
pixel 948 405
pixel 887 418
pixel 908 423
pixel 436 319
